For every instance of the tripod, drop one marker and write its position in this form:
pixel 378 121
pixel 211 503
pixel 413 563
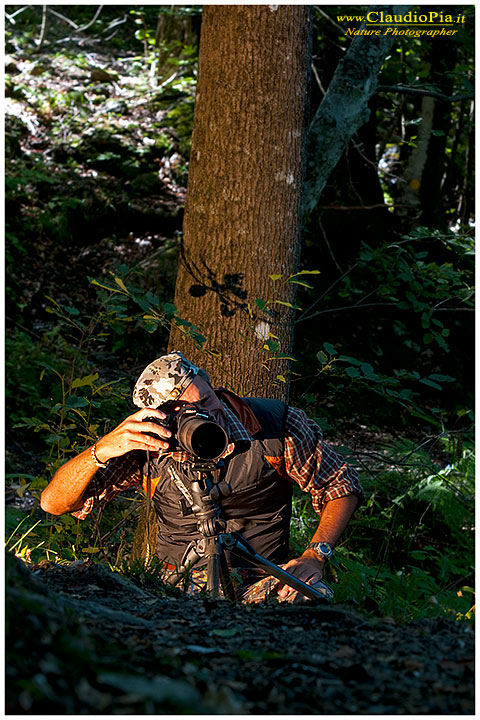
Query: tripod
pixel 215 540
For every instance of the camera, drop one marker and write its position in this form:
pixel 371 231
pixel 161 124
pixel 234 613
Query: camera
pixel 194 432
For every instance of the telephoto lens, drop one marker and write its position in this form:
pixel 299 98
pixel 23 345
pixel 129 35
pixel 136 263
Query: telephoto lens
pixel 194 432
pixel 201 437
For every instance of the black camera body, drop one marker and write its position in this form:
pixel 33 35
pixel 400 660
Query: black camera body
pixel 193 432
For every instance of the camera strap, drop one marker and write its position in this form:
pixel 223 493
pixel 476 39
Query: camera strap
pixel 148 488
pixel 147 508
pixel 185 492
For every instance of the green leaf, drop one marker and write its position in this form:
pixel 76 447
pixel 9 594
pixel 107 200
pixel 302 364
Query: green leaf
pixel 87 380
pixel 287 304
pixel 425 320
pixel 322 357
pixel 261 304
pixel 430 383
pixel 305 272
pixel 76 402
pixel 275 277
pixel 352 372
pixel 71 310
pixel 271 345
pixel 441 378
pixel 368 371
pixel 121 284
pixel 105 287
pixel 282 378
pixel 328 347
pixel 419 554
pixel 303 284
pixel 347 358
pixel 169 309
pixel 284 357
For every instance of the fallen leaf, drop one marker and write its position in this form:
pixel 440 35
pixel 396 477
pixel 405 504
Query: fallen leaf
pixel 224 632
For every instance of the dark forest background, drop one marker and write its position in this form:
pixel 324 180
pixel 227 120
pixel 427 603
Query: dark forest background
pixel 99 113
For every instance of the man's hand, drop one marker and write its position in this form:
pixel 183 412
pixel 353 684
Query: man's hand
pixel 65 491
pixel 134 434
pixel 308 567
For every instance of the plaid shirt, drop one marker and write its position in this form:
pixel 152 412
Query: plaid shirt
pixel 306 460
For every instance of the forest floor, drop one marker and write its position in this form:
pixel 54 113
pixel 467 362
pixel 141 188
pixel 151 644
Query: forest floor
pixel 85 640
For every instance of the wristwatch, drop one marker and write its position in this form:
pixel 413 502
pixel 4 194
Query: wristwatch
pixel 321 548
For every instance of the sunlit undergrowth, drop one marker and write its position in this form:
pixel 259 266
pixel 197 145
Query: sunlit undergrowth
pixel 409 551
pixel 97 147
pixel 407 554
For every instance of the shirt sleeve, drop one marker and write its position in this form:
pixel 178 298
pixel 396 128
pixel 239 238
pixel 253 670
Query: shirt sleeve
pixel 120 474
pixel 315 466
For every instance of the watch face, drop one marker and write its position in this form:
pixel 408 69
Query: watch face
pixel 325 549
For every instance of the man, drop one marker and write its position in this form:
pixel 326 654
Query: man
pixel 269 445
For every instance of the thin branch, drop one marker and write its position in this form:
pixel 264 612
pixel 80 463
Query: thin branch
pixel 346 307
pixel 17 12
pixel 360 207
pixel 317 78
pixel 319 299
pixel 108 534
pixel 62 17
pixel 424 91
pixel 361 306
pixel 22 327
pixel 329 246
pixel 327 17
pixel 88 25
pixel 115 23
pixel 43 29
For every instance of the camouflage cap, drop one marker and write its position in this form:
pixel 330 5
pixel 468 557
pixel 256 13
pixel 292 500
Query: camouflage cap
pixel 166 378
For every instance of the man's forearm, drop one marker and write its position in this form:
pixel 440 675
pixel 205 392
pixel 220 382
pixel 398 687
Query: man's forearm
pixel 65 491
pixel 334 519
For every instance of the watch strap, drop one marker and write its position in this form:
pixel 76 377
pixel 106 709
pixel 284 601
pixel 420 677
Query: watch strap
pixel 323 549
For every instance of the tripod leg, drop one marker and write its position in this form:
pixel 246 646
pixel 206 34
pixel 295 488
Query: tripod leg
pixel 213 576
pixel 226 580
pixel 241 547
pixel 191 556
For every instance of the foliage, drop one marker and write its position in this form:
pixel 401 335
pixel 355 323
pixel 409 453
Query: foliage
pixel 397 263
pixel 409 551
pixel 420 296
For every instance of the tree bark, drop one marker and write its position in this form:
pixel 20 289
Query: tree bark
pixel 345 107
pixel 243 206
pixel 413 176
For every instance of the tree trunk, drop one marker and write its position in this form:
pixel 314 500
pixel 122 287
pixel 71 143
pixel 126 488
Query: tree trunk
pixel 243 207
pixel 413 176
pixel 176 30
pixel 345 107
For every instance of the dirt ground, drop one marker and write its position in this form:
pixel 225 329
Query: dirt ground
pixel 84 640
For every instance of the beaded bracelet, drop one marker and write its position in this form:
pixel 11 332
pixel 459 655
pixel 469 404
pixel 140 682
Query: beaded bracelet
pixel 97 462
